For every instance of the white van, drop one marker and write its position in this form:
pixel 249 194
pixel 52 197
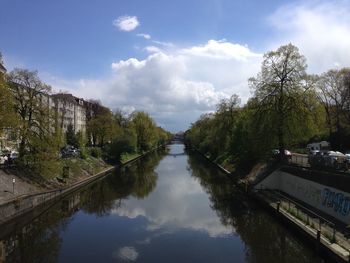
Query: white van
pixel 317 146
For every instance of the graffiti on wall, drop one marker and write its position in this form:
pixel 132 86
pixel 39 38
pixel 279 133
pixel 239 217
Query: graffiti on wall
pixel 338 201
pixel 306 191
pixel 330 200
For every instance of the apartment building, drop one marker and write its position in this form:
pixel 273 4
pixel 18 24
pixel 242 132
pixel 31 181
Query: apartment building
pixel 66 109
pixel 70 111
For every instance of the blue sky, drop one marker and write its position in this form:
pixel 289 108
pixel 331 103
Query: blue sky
pixel 197 52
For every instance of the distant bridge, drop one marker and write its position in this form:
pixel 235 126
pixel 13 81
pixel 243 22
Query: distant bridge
pixel 176 154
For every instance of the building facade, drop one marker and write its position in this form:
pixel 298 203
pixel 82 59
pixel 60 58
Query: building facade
pixel 65 110
pixel 69 110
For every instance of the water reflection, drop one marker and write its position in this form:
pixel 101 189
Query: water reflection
pixel 41 239
pixel 168 207
pixel 137 180
pixel 265 240
pixel 179 201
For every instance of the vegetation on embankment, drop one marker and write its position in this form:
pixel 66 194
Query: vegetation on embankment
pixel 288 109
pixel 39 132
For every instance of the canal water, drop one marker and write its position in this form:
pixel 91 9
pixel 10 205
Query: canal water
pixel 168 207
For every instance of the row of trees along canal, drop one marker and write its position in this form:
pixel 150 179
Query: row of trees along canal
pixel 288 109
pixel 112 135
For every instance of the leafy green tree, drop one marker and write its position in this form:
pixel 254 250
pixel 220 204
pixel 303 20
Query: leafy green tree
pixel 145 130
pixel 163 137
pixel 71 137
pixel 31 105
pixel 334 94
pixel 8 119
pixel 39 142
pixel 103 127
pixel 284 96
pixel 124 143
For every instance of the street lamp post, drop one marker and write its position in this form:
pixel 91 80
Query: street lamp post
pixel 13 185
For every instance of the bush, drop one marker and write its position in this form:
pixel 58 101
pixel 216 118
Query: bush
pixel 124 144
pixel 83 153
pixel 96 152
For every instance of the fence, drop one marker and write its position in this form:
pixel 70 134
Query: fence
pixel 318 224
pixel 300 159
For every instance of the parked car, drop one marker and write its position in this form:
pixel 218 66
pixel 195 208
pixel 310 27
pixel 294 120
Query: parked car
pixel 8 157
pixel 329 159
pixel 3 159
pixel 316 158
pixel 70 151
pixel 347 154
pixel 287 154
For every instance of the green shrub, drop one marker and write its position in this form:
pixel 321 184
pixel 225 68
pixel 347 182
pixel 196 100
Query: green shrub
pixel 96 152
pixel 83 153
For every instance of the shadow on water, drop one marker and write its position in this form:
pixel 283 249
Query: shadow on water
pixel 40 241
pixel 265 239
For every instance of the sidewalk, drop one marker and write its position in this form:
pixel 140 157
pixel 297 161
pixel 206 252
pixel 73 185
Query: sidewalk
pixel 22 186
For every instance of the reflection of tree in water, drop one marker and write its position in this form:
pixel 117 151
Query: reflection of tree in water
pixel 264 238
pixel 138 180
pixel 40 241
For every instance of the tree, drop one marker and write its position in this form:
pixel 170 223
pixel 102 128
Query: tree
pixel 283 95
pixel 31 104
pixel 334 94
pixel 7 113
pixel 145 129
pixel 102 127
pixel 71 137
pixel 39 141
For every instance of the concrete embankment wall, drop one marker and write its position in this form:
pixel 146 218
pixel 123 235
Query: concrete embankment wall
pixel 24 203
pixel 319 190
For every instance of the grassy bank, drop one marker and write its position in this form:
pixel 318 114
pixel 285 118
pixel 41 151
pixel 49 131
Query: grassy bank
pixel 75 169
pixel 125 157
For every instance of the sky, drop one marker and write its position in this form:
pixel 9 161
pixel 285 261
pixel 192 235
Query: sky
pixel 173 59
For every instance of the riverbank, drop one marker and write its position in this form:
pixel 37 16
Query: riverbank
pixel 243 179
pixel 331 243
pixel 26 182
pixel 22 203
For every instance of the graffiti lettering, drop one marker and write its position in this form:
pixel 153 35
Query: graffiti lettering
pixel 337 201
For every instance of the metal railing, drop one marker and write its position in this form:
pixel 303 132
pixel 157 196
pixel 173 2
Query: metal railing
pixel 308 217
pixel 300 159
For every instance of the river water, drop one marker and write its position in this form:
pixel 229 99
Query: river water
pixel 167 207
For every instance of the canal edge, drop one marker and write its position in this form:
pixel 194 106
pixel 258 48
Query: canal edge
pixel 320 244
pixel 24 204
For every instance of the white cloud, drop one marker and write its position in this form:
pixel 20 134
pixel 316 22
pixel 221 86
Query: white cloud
pixel 126 23
pixel 320 29
pixel 222 50
pixel 145 36
pixel 153 49
pixel 165 44
pixel 126 254
pixel 174 86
